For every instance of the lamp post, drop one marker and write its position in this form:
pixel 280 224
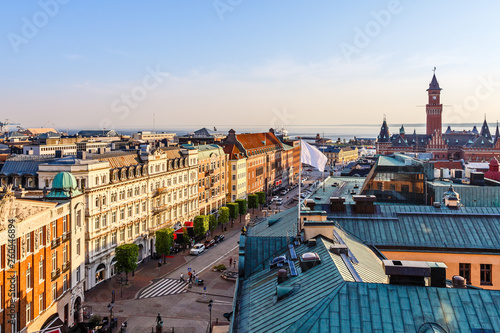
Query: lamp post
pixel 110 308
pixel 210 310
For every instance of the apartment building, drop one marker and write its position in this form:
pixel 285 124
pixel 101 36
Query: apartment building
pixel 212 176
pixel 128 196
pixel 237 173
pixel 264 154
pixel 38 237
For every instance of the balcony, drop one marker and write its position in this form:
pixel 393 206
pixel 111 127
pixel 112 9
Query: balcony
pixel 55 242
pixel 66 266
pixel 55 274
pixel 66 236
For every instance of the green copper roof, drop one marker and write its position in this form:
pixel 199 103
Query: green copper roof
pixel 64 185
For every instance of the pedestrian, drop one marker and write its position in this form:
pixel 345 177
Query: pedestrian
pixel 234 264
pixel 196 278
pixel 230 261
pixel 189 275
pixel 182 278
pixel 190 279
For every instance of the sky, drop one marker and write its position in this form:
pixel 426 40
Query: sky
pixel 191 63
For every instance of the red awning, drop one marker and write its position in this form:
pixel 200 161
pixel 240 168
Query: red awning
pixel 188 224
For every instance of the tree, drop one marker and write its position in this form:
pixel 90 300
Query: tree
pixel 201 224
pixel 242 207
pixel 185 236
pixel 233 211
pixel 223 215
pixel 262 197
pixel 212 220
pixel 126 258
pixel 164 241
pixel 253 202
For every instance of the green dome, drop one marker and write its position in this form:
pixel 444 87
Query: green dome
pixel 64 181
pixel 64 186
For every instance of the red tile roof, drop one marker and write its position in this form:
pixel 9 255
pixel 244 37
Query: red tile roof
pixel 233 151
pixel 258 140
pixel 448 165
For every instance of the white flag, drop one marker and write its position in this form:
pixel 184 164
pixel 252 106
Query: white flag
pixel 312 156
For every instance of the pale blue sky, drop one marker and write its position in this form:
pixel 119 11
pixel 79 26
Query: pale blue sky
pixel 258 63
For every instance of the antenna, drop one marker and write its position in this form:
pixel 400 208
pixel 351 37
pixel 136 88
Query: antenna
pixel 434 70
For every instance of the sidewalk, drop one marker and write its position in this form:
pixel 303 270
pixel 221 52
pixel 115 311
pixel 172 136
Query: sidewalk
pixel 147 272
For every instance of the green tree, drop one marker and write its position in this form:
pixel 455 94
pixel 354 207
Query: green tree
pixel 223 216
pixel 185 237
pixel 242 207
pixel 201 224
pixel 253 202
pixel 212 222
pixel 126 258
pixel 233 211
pixel 164 241
pixel 262 198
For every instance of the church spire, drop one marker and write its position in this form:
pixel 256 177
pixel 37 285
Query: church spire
pixel 434 85
pixel 497 134
pixel 485 130
pixel 384 135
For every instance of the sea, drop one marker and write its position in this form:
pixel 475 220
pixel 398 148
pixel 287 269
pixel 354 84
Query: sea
pixel 347 131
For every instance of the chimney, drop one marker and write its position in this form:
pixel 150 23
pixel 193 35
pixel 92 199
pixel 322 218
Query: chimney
pixel 271 130
pixel 337 204
pixel 310 203
pixel 282 275
pixel 459 282
pixel 363 204
pixel 59 153
pixel 410 273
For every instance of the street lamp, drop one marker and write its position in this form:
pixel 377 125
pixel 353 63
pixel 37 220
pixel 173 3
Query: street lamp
pixel 210 309
pixel 110 308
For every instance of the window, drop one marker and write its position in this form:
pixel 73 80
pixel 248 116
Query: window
pixel 122 214
pixel 137 228
pixel 78 277
pixel 54 292
pixel 137 208
pixel 54 230
pixel 28 278
pixel 144 206
pixel 65 253
pixel 41 306
pixel 97 245
pixel 113 238
pixel 78 218
pixel 40 236
pixel 41 273
pixel 65 224
pixel 104 218
pixel 122 235
pixel 65 283
pixel 104 240
pixel 129 231
pixel 486 274
pixel 129 211
pixel 96 223
pixel 143 225
pixel 464 271
pixel 113 217
pixel 78 247
pixel 54 261
pixel 28 312
pixel 28 243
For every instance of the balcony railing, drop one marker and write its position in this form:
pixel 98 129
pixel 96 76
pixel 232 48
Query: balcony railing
pixel 66 266
pixel 66 236
pixel 55 242
pixel 55 273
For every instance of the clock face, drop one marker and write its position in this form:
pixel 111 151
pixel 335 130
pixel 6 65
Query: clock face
pixel 434 97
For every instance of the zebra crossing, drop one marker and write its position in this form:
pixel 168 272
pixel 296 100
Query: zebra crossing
pixel 164 287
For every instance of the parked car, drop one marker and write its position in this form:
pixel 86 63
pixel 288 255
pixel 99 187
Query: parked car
pixel 279 201
pixel 283 192
pixel 274 198
pixel 219 238
pixel 197 249
pixel 209 243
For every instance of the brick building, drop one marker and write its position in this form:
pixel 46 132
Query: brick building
pixel 470 145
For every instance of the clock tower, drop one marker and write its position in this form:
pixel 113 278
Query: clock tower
pixel 434 108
